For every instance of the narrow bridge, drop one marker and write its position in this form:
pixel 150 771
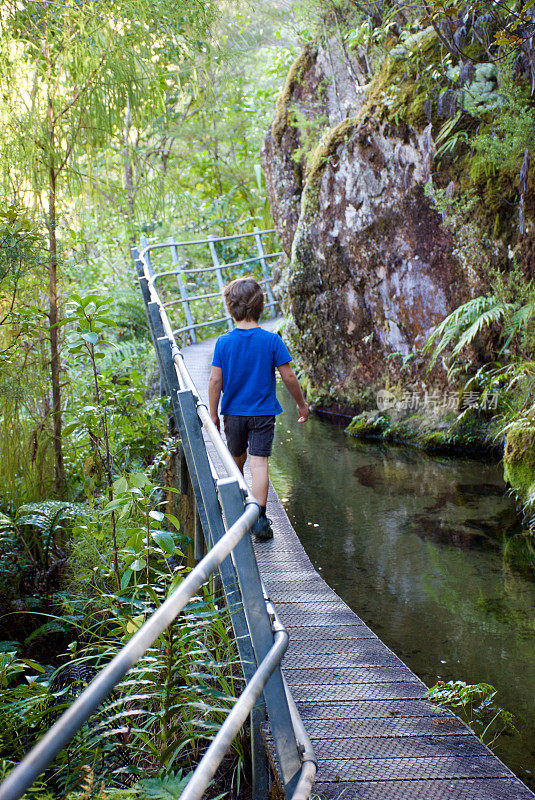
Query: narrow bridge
pixel 343 709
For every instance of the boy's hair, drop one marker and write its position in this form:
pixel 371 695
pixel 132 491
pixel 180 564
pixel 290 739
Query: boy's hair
pixel 245 299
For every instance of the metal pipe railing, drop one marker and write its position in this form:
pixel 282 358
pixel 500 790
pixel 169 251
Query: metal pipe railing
pixel 309 765
pixel 228 264
pixel 291 731
pixel 224 265
pixel 216 321
pixel 308 757
pixel 191 299
pixel 208 765
pixel 60 734
pixel 203 241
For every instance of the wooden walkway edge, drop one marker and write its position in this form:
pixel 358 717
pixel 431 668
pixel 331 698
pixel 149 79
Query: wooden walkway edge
pixel 374 734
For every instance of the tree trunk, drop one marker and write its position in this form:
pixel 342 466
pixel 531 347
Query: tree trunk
pixel 128 174
pixel 59 468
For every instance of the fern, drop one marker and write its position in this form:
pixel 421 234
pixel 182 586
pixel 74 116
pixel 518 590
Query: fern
pixel 462 326
pixel 168 788
pixel 46 523
pixel 494 314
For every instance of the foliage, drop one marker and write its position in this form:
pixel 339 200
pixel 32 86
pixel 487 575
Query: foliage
pixel 476 704
pixel 21 252
pixel 24 410
pixel 461 328
pixel 116 121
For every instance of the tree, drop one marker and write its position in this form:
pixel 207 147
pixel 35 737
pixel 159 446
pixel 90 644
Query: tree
pixel 71 74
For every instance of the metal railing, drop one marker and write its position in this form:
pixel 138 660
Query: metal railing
pixel 226 510
pixel 219 269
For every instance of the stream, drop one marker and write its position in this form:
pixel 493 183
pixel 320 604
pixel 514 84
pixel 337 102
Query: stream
pixel 428 551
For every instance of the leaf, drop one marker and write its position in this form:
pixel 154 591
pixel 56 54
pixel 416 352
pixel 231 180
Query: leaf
pixel 68 429
pixel 135 623
pixel 114 504
pixel 157 515
pixel 126 578
pixel 120 486
pixel 168 788
pixel 174 520
pixel 34 665
pixel 138 479
pixel 164 540
pixel 138 564
pixel 91 337
pixel 136 541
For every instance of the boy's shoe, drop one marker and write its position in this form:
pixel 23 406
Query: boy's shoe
pixel 262 528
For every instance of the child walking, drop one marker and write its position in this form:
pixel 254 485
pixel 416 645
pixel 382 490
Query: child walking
pixel 243 369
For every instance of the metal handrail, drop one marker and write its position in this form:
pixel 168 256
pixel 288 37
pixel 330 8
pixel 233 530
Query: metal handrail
pixel 203 241
pixel 61 733
pixel 213 757
pixel 309 764
pixel 225 265
pixel 218 268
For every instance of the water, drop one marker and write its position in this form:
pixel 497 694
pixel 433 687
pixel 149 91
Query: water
pixel 427 551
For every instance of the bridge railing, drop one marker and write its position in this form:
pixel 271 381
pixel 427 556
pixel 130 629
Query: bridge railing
pixel 226 510
pixel 198 292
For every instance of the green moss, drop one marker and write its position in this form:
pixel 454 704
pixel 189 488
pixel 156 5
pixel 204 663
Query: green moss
pixel 400 89
pixel 301 65
pixel 369 424
pixel 519 461
pixel 318 160
pixel 448 434
pixel 328 145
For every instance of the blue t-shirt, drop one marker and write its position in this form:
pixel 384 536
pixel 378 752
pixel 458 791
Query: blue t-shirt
pixel 248 357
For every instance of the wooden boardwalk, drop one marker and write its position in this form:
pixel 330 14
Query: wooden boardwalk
pixel 374 735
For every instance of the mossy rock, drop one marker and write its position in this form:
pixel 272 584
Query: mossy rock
pixel 467 434
pixel 398 91
pixel 371 424
pixel 301 65
pixel 519 461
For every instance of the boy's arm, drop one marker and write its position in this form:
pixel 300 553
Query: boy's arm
pixel 215 385
pixel 292 384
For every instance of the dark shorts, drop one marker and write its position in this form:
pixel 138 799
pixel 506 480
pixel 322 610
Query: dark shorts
pixel 253 433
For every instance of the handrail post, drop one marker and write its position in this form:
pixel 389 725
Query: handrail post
pixel 220 281
pixel 144 244
pixel 152 319
pixel 259 624
pixel 207 504
pixel 198 537
pixel 183 289
pixel 265 270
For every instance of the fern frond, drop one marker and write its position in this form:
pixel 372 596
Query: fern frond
pixel 522 316
pixel 456 324
pixel 492 315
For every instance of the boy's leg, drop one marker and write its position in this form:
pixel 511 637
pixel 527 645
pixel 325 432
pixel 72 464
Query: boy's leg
pixel 240 461
pixel 260 478
pixel 261 433
pixel 236 435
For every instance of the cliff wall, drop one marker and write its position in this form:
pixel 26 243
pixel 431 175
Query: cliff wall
pixel 372 268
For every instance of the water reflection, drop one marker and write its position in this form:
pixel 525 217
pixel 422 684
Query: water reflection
pixel 428 551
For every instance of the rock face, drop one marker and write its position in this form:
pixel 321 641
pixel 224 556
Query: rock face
pixel 371 269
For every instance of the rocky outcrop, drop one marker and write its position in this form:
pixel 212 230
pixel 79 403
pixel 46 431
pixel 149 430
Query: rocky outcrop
pixel 371 268
pixel 309 103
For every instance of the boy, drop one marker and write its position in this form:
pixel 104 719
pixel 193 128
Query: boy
pixel 243 368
